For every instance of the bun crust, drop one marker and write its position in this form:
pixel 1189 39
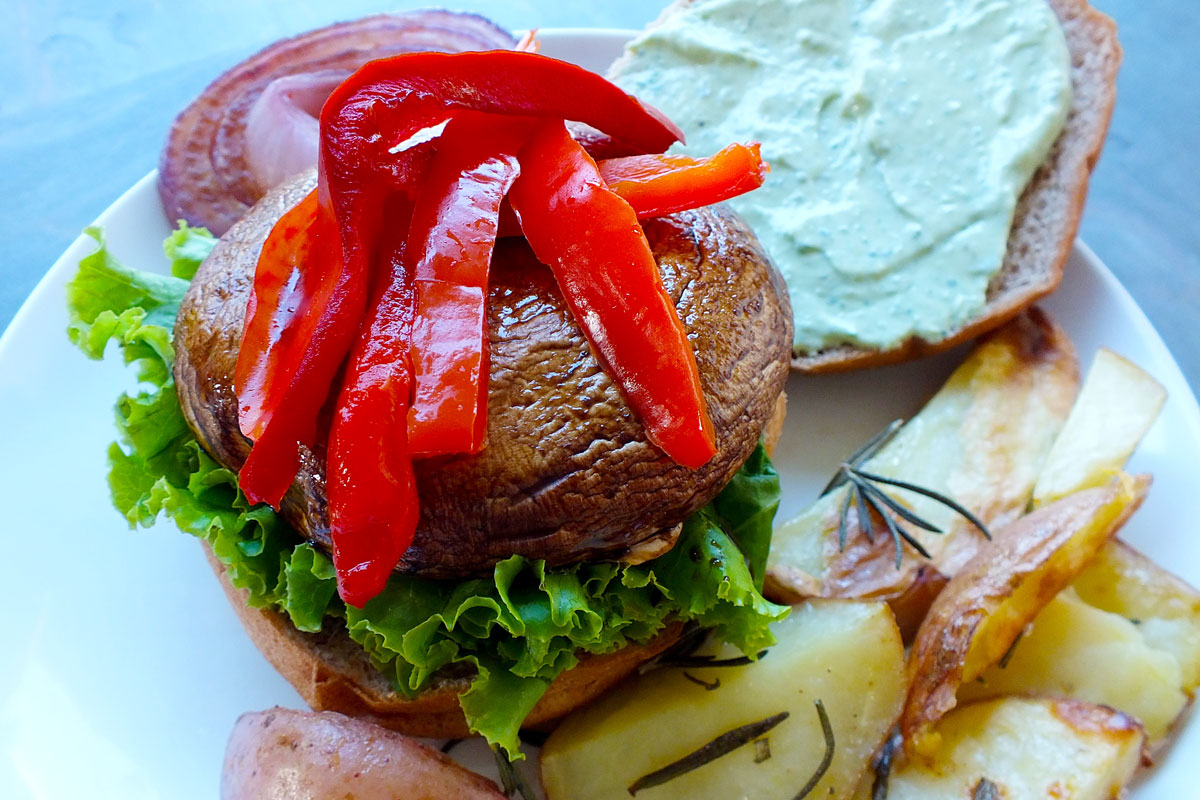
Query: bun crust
pixel 333 673
pixel 1048 213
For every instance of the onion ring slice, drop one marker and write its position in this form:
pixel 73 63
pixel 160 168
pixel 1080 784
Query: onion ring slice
pixel 205 176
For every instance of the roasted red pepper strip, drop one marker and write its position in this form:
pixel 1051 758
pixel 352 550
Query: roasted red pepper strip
pixel 656 185
pixel 365 127
pixel 450 244
pixel 387 101
pixel 296 300
pixel 450 365
pixel 598 252
pixel 277 299
pixel 373 505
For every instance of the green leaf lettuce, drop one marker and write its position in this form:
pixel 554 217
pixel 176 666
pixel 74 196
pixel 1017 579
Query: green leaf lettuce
pixel 518 628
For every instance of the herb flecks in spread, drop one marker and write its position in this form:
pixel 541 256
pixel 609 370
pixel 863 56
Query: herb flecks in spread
pixel 385 265
pixel 900 136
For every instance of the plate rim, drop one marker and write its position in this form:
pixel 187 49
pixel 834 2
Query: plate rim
pixel 49 290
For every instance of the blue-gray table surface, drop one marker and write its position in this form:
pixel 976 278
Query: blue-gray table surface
pixel 88 90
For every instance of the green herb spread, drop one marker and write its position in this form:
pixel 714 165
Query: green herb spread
pixel 900 135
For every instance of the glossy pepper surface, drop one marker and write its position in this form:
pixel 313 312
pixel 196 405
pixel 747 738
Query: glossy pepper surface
pixel 593 242
pixel 451 238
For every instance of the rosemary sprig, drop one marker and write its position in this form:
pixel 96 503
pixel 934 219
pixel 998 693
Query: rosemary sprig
pixel 826 760
pixel 870 501
pixel 722 745
pixel 512 780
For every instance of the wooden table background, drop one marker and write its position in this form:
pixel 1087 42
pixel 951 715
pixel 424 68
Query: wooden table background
pixel 90 88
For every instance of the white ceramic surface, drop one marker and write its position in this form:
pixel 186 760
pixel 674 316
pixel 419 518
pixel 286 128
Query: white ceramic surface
pixel 123 668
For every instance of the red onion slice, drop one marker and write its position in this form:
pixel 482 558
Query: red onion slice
pixel 282 132
pixel 206 174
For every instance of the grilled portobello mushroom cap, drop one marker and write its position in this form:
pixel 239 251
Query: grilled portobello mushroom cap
pixel 567 474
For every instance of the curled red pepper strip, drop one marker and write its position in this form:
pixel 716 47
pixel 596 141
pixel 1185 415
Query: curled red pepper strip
pixel 387 101
pixel 450 244
pixel 592 241
pixel 656 185
pixel 373 505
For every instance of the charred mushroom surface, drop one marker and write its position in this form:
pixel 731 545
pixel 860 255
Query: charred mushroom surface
pixel 567 474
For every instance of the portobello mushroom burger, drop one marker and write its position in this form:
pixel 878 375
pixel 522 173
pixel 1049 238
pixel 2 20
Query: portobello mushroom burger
pixel 472 423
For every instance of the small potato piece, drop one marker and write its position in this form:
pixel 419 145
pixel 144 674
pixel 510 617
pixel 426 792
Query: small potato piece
pixel 985 606
pixel 1167 610
pixel 981 440
pixel 1060 654
pixel 1116 406
pixel 304 755
pixel 846 654
pixel 1027 749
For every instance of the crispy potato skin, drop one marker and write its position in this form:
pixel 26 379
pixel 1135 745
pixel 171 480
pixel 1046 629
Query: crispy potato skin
pixel 567 473
pixel 1026 748
pixel 984 607
pixel 282 753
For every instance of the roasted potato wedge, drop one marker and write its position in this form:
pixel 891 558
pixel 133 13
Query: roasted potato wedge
pixel 983 608
pixel 982 440
pixel 296 754
pixel 846 654
pixel 1116 406
pixel 1139 621
pixel 1164 607
pixel 1024 748
pixel 1059 654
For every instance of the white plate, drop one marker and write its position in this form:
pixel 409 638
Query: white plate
pixel 123 667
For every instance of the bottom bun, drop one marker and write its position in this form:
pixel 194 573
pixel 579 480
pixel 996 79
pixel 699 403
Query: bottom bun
pixel 333 673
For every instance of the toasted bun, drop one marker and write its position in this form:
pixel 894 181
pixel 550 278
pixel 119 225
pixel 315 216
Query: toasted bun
pixel 333 673
pixel 1047 215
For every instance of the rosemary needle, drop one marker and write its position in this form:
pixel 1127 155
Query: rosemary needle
pixel 512 780
pixel 941 498
pixel 985 790
pixel 826 760
pixel 722 745
pixel 883 768
pixel 714 684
